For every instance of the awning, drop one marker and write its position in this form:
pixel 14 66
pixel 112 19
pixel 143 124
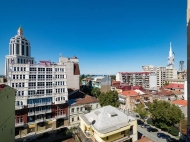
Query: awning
pixel 31 126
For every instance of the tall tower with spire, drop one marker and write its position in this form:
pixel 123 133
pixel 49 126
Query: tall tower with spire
pixel 19 50
pixel 170 58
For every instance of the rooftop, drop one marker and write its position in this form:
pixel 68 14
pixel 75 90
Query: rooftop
pixel 86 100
pixel 144 139
pixel 175 85
pixel 106 119
pixel 180 102
pixel 130 93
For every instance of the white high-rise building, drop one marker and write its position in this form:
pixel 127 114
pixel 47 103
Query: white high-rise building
pixel 19 50
pixel 42 95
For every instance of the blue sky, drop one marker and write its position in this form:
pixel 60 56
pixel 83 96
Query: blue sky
pixel 108 36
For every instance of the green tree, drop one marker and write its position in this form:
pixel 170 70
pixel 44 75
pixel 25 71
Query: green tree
pixel 164 115
pixel 113 77
pixel 96 92
pixel 141 110
pixel 109 98
pixel 81 78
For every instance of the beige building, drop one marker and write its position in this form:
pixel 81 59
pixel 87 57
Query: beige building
pixel 73 71
pixel 108 124
pixel 163 73
pixel 81 106
pixel 7 109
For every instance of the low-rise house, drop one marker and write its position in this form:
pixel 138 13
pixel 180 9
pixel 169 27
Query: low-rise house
pixel 80 106
pixel 175 86
pixel 108 124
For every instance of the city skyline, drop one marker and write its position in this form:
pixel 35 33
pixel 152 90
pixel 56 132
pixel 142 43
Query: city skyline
pixel 109 35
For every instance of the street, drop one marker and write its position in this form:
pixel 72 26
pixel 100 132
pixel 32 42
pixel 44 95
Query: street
pixel 150 135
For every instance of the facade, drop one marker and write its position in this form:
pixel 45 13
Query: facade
pixel 7 109
pixel 153 80
pixel 134 78
pixel 108 124
pixel 80 106
pixel 42 95
pixel 73 71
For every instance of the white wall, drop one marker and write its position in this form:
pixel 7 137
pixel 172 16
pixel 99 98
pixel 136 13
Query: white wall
pixel 185 90
pixel 153 80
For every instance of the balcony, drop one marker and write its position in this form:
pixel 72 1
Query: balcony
pixel 39 120
pixel 60 102
pixel 40 96
pixel 40 112
pixel 30 105
pixel 17 107
pixel 40 104
pixel 30 113
pixel 32 79
pixel 48 110
pixel 60 116
pixel 19 124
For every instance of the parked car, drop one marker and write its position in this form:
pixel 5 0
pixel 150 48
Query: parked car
pixel 162 135
pixel 140 122
pixel 145 126
pixel 30 138
pixel 151 129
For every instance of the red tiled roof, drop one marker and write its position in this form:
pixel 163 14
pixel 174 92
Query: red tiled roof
pixel 180 102
pixel 165 93
pixel 130 93
pixel 178 92
pixel 87 99
pixel 175 86
pixel 136 87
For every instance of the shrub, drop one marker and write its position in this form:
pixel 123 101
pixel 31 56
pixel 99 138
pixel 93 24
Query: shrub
pixel 149 121
pixel 174 131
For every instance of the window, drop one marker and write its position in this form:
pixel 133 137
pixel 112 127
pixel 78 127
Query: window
pixel 72 119
pixel 26 50
pixel 24 68
pixel 106 138
pixel 20 76
pixel 48 83
pixel 32 69
pixel 17 49
pixel 22 93
pixel 96 105
pixel 40 91
pixel 14 68
pixel 21 69
pixel 13 85
pixel 41 84
pixel 23 76
pixel 123 132
pixel 131 128
pixel 81 109
pixel 72 110
pixel 48 91
pixel 13 76
pixel 41 69
pixel 77 109
pixel 22 84
pixel 78 118
pixel 22 49
pixel 17 68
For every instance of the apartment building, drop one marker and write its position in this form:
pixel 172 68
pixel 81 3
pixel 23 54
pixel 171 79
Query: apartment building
pixel 134 78
pixel 7 109
pixel 42 95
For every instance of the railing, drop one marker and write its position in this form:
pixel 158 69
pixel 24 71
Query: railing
pixel 48 110
pixel 40 104
pixel 48 72
pixel 19 107
pixel 39 120
pixel 60 102
pixel 40 87
pixel 32 87
pixel 19 123
pixel 30 105
pixel 60 116
pixel 30 113
pixel 41 79
pixel 41 72
pixel 32 72
pixel 40 96
pixel 32 79
pixel 40 112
